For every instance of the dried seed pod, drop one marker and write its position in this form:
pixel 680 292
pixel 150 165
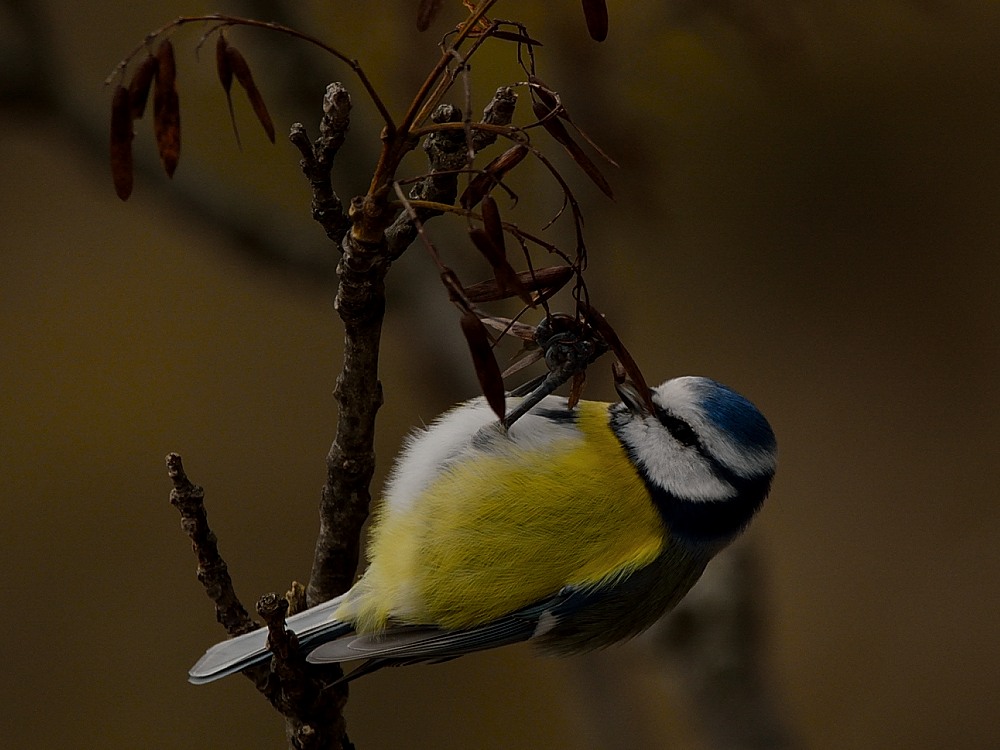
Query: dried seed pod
pixel 426 12
pixel 487 369
pixel 557 130
pixel 595 12
pixel 493 224
pixel 542 93
pixel 224 69
pixel 241 69
pixel 166 108
pixel 507 282
pixel 491 174
pixel 138 87
pixel 222 64
pixel 628 365
pixel 485 245
pixel 542 283
pixel 121 142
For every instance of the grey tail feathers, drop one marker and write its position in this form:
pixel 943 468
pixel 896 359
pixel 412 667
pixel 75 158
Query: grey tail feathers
pixel 228 657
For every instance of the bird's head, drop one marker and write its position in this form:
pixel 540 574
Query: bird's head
pixel 706 454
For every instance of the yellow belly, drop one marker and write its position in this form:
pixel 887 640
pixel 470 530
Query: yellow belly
pixel 495 534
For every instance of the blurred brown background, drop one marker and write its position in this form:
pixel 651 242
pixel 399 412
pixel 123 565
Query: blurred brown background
pixel 808 208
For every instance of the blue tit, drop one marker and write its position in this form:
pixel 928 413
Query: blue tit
pixel 574 529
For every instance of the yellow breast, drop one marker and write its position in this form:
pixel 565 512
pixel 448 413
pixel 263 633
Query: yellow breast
pixel 498 532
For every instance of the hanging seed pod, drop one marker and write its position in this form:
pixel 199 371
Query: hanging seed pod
pixel 241 69
pixel 628 365
pixel 487 369
pixel 492 173
pixel 426 12
pixel 542 283
pixel 557 130
pixel 595 12
pixel 224 69
pixel 222 66
pixel 166 109
pixel 121 142
pixel 138 87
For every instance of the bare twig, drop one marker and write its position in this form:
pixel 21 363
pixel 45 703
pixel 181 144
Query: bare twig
pixel 311 710
pixel 310 704
pixel 317 160
pixel 189 499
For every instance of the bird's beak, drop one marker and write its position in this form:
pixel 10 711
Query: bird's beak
pixel 632 396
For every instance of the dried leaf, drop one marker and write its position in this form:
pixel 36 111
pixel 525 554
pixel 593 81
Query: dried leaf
pixel 525 358
pixel 487 369
pixel 543 283
pixel 493 224
pixel 166 109
pixel 487 291
pixel 492 174
pixel 546 281
pixel 507 282
pixel 596 14
pixel 551 101
pixel 121 142
pixel 485 245
pixel 222 64
pixel 508 327
pixel 601 325
pixel 138 87
pixel 241 69
pixel 558 131
pixel 426 12
pixel 224 68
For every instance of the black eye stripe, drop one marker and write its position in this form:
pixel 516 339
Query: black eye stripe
pixel 678 428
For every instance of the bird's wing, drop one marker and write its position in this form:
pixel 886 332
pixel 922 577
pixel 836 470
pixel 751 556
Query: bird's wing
pixel 407 644
pixel 225 658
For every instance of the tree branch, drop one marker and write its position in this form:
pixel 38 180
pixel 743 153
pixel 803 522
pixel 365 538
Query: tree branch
pixel 189 499
pixel 312 707
pixel 350 461
pixel 317 160
pixel 213 573
pixel 447 151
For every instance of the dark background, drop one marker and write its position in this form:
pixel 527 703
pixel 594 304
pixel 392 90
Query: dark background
pixel 807 209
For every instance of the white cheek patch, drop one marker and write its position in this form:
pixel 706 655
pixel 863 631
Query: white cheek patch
pixel 680 395
pixel 680 471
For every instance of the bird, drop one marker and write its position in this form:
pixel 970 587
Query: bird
pixel 577 527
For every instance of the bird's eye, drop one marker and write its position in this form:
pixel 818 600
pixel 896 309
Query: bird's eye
pixel 679 429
